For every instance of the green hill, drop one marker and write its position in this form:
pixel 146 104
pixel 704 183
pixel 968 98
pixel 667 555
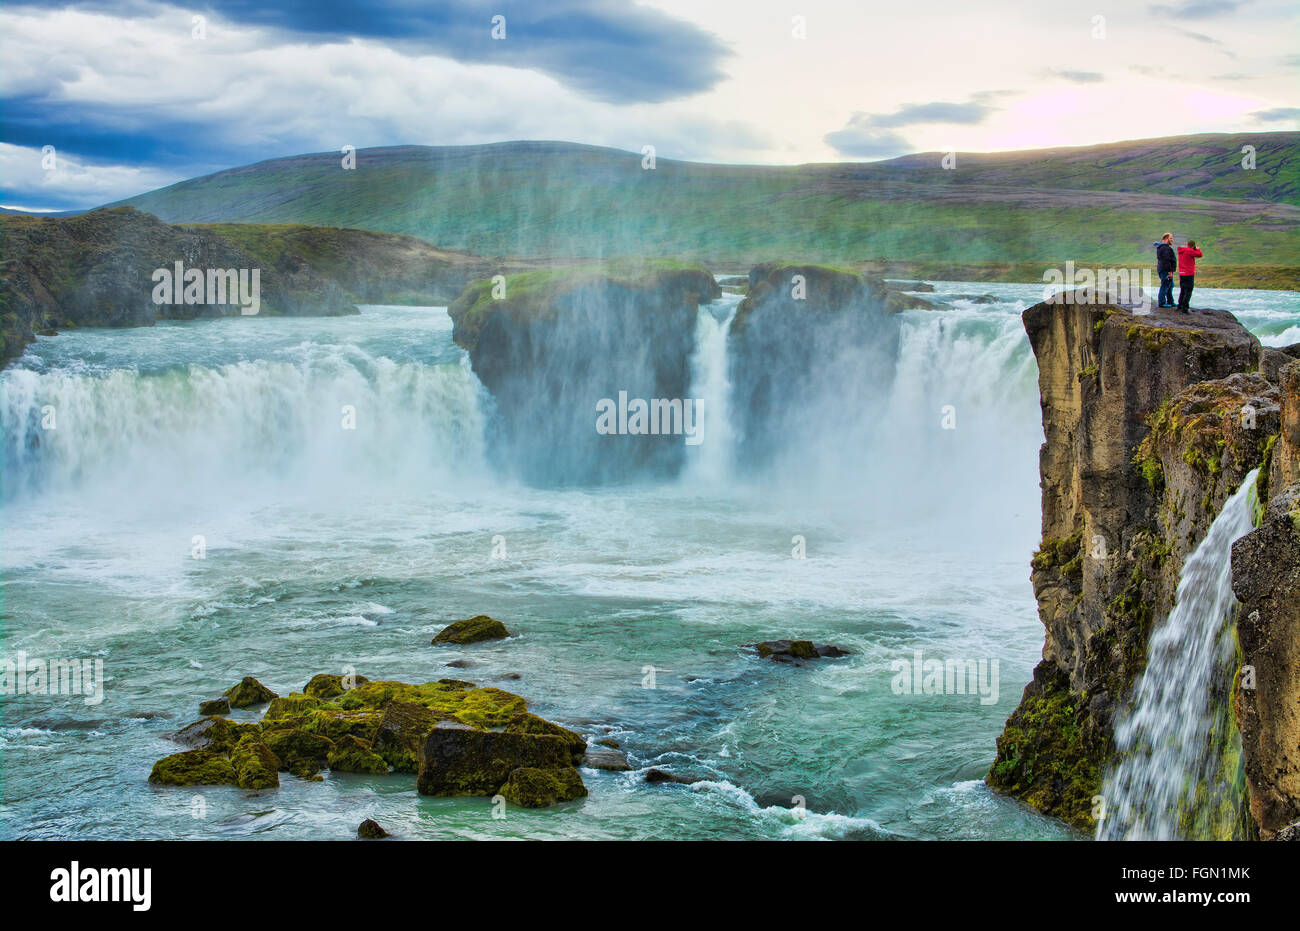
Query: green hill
pixel 561 200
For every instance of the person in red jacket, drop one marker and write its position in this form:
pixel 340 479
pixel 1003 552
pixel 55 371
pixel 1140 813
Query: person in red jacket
pixel 1187 256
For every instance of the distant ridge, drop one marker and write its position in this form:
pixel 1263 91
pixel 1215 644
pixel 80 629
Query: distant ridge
pixel 548 199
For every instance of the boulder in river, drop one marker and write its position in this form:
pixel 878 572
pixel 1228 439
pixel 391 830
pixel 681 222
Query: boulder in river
pixel 656 776
pixel 371 830
pixel 216 706
pixel 457 759
pixel 791 651
pixel 472 630
pixel 461 740
pixel 248 692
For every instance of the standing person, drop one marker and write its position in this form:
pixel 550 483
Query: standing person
pixel 1187 256
pixel 1165 264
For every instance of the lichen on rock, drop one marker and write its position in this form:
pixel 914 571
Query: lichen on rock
pixel 480 737
pixel 472 630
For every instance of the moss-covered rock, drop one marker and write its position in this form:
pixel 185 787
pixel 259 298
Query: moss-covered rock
pixel 529 723
pixel 292 706
pixel 353 755
pixel 325 686
pixel 248 692
pixel 256 765
pixel 791 651
pixel 216 706
pixel 456 759
pixel 1046 754
pixel 378 727
pixel 472 630
pixel 371 830
pixel 301 753
pixel 528 787
pixel 401 731
pixel 214 733
pixel 193 768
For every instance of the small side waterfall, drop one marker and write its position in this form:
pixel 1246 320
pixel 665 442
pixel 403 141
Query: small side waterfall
pixel 1178 748
pixel 710 381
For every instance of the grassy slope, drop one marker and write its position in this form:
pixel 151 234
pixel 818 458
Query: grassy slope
pixel 549 200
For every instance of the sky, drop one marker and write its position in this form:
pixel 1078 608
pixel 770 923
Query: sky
pixel 133 94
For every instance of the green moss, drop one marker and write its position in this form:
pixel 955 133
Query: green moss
pixel 352 755
pixel 1065 554
pixel 255 765
pixel 325 687
pixel 1044 756
pixel 193 768
pixel 295 705
pixel 1132 603
pixel 215 707
pixel 248 692
pixel 528 723
pixel 301 753
pixel 215 733
pixel 536 788
pixel 472 630
pixel 536 289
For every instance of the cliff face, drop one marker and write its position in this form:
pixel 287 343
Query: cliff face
pixel 1147 434
pixel 96 270
pixel 551 345
pixel 805 332
pixel 1266 579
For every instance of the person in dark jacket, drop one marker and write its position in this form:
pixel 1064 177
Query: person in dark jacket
pixel 1165 263
pixel 1187 256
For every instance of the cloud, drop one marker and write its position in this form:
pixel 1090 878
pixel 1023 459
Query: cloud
pixel 869 135
pixel 612 50
pixel 973 111
pixel 70 181
pixel 142 92
pixel 1079 77
pixel 1277 114
pixel 859 139
pixel 1199 9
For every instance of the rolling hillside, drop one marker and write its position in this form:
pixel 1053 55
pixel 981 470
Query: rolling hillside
pixel 558 200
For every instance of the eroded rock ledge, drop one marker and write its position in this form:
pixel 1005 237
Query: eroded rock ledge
pixel 550 344
pixel 1147 435
pixel 1266 578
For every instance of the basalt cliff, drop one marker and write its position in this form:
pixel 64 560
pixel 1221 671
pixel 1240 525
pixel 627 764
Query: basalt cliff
pixel 1151 421
pixel 95 270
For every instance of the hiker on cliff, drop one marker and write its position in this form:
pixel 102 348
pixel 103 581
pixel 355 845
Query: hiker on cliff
pixel 1165 263
pixel 1187 256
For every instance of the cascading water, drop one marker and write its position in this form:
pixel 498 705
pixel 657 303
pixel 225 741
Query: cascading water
pixel 303 411
pixel 1177 749
pixel 710 382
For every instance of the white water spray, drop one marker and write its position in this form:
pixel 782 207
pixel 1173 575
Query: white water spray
pixel 711 381
pixel 1177 748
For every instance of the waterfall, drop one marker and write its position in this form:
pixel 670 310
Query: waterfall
pixel 711 382
pixel 342 418
pixel 1178 750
